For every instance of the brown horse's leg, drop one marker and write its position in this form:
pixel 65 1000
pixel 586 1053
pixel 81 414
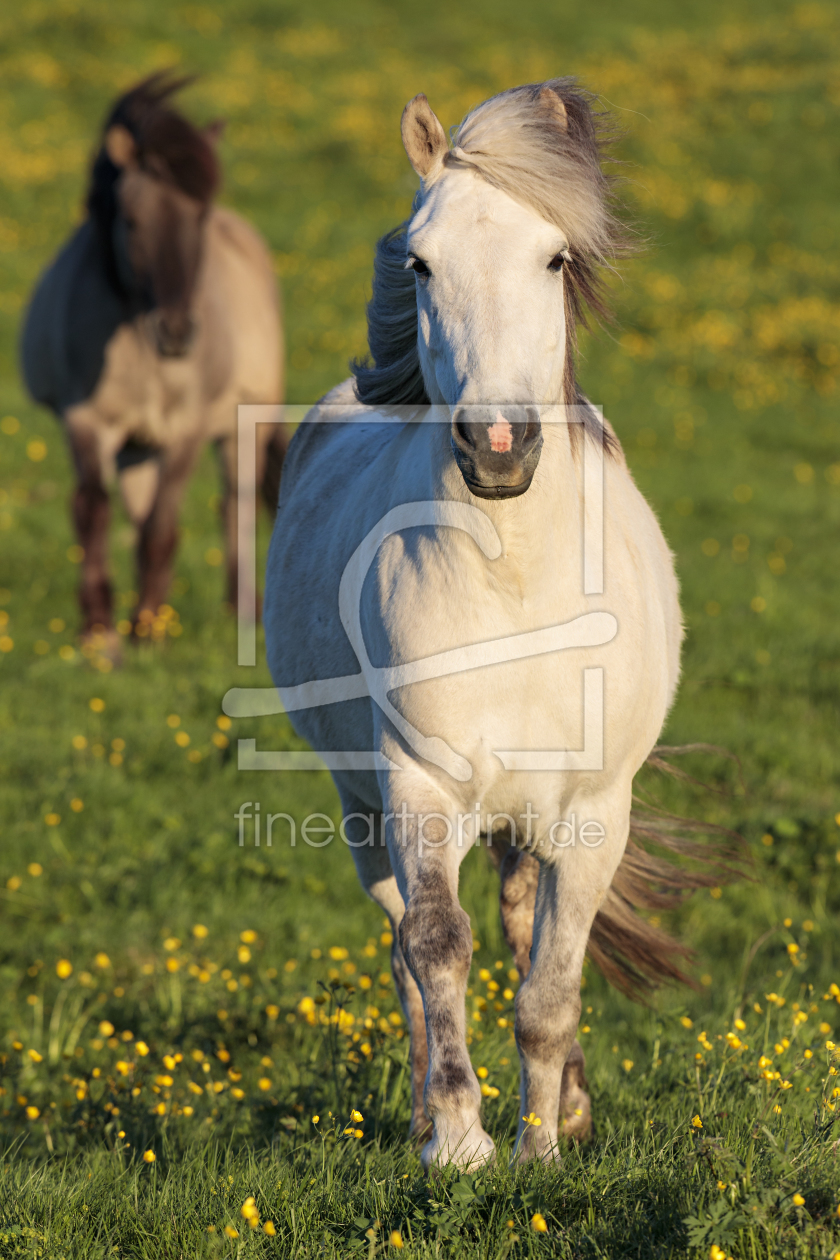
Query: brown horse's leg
pixel 239 507
pixel 91 514
pixel 519 872
pixel 373 867
pixel 159 534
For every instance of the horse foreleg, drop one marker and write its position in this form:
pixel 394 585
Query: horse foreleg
pixel 373 866
pixel 91 517
pixel 436 941
pixel 159 533
pixel 572 885
pixel 519 873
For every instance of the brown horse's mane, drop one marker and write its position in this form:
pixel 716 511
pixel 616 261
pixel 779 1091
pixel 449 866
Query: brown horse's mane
pixel 167 146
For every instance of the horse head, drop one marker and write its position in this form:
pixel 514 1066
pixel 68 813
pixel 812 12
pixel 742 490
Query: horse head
pixel 476 297
pixel 153 184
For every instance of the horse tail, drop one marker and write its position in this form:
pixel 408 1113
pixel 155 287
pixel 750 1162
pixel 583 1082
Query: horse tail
pixel 274 455
pixel 634 954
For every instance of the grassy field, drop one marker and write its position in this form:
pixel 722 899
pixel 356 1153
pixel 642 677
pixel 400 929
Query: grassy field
pixel 177 1010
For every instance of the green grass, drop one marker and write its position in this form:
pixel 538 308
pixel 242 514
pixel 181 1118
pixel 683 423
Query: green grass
pixel 721 381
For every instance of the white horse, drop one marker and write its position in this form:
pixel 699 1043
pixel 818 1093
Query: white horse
pixel 464 541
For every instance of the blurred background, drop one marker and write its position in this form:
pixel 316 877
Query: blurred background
pixel 720 378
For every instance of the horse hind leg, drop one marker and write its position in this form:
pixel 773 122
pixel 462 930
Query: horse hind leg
pixel 373 866
pixel 519 874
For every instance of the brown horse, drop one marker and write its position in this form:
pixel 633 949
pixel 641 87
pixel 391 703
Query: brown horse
pixel 156 319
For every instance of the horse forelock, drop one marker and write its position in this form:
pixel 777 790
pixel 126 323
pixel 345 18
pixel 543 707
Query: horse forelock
pixel 167 144
pixel 549 160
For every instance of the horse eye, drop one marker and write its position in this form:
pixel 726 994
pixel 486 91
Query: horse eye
pixel 556 263
pixel 419 267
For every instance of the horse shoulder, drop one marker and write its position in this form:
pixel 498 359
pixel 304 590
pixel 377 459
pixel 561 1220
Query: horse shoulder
pixel 318 434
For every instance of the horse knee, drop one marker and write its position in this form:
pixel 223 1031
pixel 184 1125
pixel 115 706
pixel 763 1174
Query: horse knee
pixel 435 935
pixel 545 1029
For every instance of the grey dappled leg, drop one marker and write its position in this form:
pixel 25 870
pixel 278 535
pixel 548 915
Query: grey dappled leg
pixel 547 1014
pixel 436 940
pixel 519 874
pixel 373 866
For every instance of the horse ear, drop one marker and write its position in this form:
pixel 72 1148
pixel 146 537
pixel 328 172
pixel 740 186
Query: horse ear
pixel 551 102
pixel 120 146
pixel 213 131
pixel 423 137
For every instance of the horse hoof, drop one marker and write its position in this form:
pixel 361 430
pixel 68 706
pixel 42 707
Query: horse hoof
pixel 101 644
pixel 467 1151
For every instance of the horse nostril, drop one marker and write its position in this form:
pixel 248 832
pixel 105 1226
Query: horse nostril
pixel 533 427
pixel 463 432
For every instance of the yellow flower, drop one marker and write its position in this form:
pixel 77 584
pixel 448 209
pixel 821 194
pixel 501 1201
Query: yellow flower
pixel 142 1049
pixel 231 1232
pixel 532 1119
pixel 149 1157
pixel 35 869
pixel 32 1113
pixel 63 968
pixel 740 1025
pixel 716 1252
pixel 237 1093
pixel 697 1123
pixel 264 1083
pixel 268 1228
pixel 686 1022
pixel 793 948
pixel 35 1056
pixel 97 705
pixel 482 1073
pixel 627 1064
pixel 199 931
pixel 249 1210
pixel 395 1239
pixel 315 1119
pixel 248 936
pixel 798 1200
pixel 538 1223
pixel 357 1116
pixel 722 1185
